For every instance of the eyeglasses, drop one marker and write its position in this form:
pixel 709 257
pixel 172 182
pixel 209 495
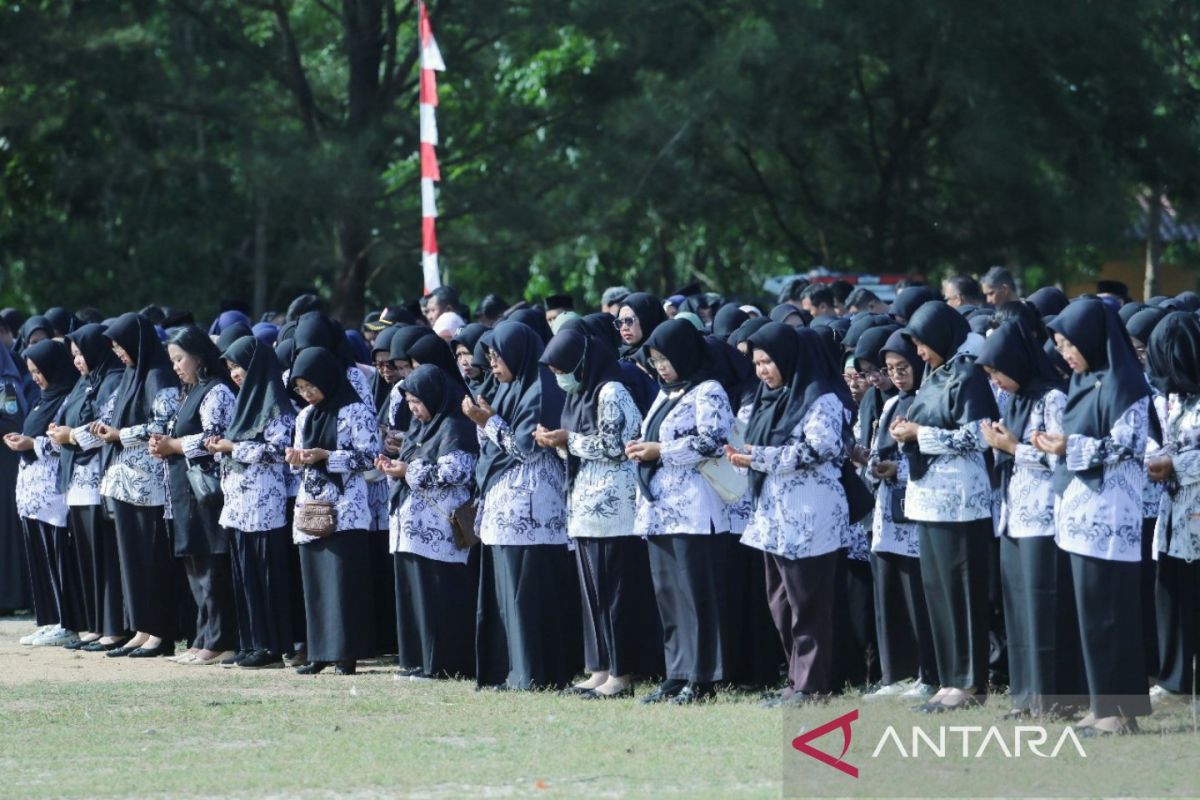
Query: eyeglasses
pixel 898 371
pixel 493 357
pixel 305 390
pixel 385 365
pixel 659 361
pixel 624 322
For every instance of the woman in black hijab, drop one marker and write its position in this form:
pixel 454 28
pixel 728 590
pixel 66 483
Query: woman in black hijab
pixel 949 496
pixel 135 487
pixel 905 641
pixel 1174 361
pixel 740 337
pixel 14 579
pixel 728 319
pixel 908 300
pixel 336 442
pixel 79 479
pixel 475 373
pixel 386 374
pixel 53 566
pixel 256 512
pixel 1106 425
pixel 1048 301
pixel 231 334
pixel 639 316
pixel 791 315
pixel 535 318
pixel 620 639
pixel 433 476
pixel 199 540
pixel 314 329
pixel 1044 664
pixel 797 437
pixel 527 634
pixel 681 513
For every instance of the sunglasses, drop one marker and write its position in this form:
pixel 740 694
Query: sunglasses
pixel 624 322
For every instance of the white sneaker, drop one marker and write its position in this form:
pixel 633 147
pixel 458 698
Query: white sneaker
pixel 920 690
pixel 28 638
pixel 890 690
pixel 1160 695
pixel 56 638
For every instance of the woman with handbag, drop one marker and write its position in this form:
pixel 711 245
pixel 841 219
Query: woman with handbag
pixel 949 496
pixel 1044 664
pixel 620 635
pixel 1098 520
pixel 255 512
pixel 92 530
pixel 432 479
pixel 906 655
pixel 134 484
pixel 335 443
pixel 195 491
pixel 53 566
pixel 527 630
pixel 681 514
pixel 796 440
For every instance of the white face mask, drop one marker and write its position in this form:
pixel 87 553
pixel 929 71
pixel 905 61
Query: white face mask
pixel 568 383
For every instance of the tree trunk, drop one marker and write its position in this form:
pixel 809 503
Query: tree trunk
pixel 351 289
pixel 260 258
pixel 1153 242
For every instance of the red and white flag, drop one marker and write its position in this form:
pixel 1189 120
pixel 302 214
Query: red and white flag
pixel 431 62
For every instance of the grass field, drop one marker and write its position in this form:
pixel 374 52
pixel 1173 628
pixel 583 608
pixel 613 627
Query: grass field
pixel 80 725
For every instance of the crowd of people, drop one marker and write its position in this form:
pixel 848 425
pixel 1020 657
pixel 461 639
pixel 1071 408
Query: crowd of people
pixel 929 499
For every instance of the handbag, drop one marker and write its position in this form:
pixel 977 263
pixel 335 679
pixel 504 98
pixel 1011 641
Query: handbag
pixel 316 518
pixel 206 486
pixel 462 522
pixel 897 502
pixel 859 500
pixel 725 479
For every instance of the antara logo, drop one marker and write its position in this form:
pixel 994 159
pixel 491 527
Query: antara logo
pixel 1023 739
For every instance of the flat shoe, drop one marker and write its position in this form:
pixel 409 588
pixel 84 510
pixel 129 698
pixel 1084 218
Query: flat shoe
pixel 153 652
pixel 592 694
pixel 210 662
pixel 312 668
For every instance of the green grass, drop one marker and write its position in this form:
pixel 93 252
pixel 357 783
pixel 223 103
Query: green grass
pixel 234 733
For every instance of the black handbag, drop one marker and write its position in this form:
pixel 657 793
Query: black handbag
pixel 206 486
pixel 898 494
pixel 859 500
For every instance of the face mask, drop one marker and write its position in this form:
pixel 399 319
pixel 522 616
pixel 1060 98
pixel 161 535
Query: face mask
pixel 568 383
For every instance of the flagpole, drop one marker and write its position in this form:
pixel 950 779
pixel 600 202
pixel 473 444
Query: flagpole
pixel 431 63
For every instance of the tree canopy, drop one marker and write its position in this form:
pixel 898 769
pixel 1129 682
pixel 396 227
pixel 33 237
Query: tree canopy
pixel 184 151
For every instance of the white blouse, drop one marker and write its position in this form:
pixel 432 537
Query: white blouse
pixel 253 478
pixel 603 498
pixel 1181 506
pixel 801 511
pixel 1028 508
pixel 888 535
pixel 528 502
pixel 421 524
pixel 37 486
pixel 1106 524
pixel 134 476
pixel 357 446
pixel 84 488
pixel 696 429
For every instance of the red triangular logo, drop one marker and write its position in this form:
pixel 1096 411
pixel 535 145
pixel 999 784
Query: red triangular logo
pixel 801 743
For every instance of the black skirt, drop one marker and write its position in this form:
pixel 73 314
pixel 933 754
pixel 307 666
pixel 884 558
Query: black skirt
pixel 14 569
pixel 338 597
pixel 150 577
pixel 622 634
pixel 689 585
pixel 435 606
pixel 100 568
pixel 262 580
pixel 527 621
pixel 383 576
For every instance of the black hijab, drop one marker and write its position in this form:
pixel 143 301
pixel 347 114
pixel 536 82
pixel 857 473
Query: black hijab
pixel 535 318
pixel 90 394
pixel 885 445
pixel 909 300
pixel 405 338
pixel 781 312
pixel 1184 301
pixel 436 351
pixel 600 325
pixel 62 320
pixel 532 398
pixel 469 337
pixel 1013 349
pixel 1048 300
pixel 380 387
pixel 31 326
pixel 650 314
pixel 955 393
pixel 314 329
pixel 871 405
pixel 1128 310
pixel 448 429
pixel 151 371
pixel 1173 354
pixel 863 323
pixel 262 397
pixel 210 372
pixel 1114 380
pixel 327 372
pixel 748 329
pixel 683 345
pixel 1143 323
pixel 733 371
pixel 728 319
pixel 53 360
pixel 231 333
pixel 594 364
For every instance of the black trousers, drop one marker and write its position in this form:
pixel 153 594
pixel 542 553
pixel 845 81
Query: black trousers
pixel 100 570
pixel 37 561
pixel 956 575
pixel 435 603
pixel 148 570
pixel 754 656
pixel 855 652
pixel 1045 662
pixel 383 579
pixel 59 546
pixel 211 582
pixel 262 580
pixel 902 620
pixel 622 634
pixel 1149 580
pixel 338 597
pixel 1108 602
pixel 526 625
pixel 1178 598
pixel 800 593
pixel 688 575
pixel 296 587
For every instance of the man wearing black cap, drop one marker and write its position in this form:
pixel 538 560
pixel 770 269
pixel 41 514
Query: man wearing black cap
pixel 557 304
pixel 1114 289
